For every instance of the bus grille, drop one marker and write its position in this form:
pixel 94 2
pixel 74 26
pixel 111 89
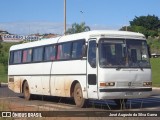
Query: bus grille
pixel 129 84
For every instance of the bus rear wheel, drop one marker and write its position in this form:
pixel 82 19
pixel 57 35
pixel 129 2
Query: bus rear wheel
pixel 26 91
pixel 78 96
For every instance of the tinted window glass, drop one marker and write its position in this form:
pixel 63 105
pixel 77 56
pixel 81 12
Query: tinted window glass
pixel 27 55
pixel 11 58
pixel 123 53
pixel 50 53
pixel 64 51
pixel 37 54
pixel 17 57
pixel 92 54
pixel 77 49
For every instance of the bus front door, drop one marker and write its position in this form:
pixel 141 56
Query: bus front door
pixel 92 70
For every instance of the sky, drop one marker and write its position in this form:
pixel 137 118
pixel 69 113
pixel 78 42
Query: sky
pixel 47 16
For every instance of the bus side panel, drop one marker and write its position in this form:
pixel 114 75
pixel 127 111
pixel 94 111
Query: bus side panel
pixel 64 73
pixel 46 68
pixel 32 73
pixel 63 85
pixel 14 84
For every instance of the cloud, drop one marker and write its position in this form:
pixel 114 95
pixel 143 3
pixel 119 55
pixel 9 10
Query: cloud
pixel 104 27
pixel 26 28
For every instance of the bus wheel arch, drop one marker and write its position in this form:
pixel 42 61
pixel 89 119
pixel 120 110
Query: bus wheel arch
pixel 72 88
pixel 26 90
pixel 79 100
pixel 23 85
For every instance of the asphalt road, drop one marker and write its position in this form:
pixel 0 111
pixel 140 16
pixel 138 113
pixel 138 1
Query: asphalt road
pixel 56 103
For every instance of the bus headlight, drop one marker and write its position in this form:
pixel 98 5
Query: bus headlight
pixel 107 84
pixel 147 84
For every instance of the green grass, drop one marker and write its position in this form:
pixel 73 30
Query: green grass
pixel 3 74
pixel 4 52
pixel 155 62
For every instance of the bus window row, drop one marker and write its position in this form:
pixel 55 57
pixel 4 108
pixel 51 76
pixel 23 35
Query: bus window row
pixel 63 51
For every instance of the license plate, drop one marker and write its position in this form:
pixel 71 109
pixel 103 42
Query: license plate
pixel 129 93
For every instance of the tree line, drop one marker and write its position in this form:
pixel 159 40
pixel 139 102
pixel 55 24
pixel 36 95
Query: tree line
pixel 148 25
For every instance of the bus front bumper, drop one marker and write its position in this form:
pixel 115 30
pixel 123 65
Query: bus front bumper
pixel 124 93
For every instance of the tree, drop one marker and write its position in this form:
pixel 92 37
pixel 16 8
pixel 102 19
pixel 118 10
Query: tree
pixel 150 22
pixel 140 29
pixel 147 25
pixel 126 28
pixel 77 28
pixel 159 32
pixel 1 48
pixel 0 38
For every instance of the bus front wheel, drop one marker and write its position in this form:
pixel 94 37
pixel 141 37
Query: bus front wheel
pixel 26 91
pixel 78 96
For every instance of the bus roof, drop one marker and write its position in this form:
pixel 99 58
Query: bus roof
pixel 83 35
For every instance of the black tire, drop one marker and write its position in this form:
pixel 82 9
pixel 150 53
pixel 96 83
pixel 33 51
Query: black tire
pixel 26 91
pixel 78 96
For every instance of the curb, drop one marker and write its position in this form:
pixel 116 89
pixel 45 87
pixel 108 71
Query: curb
pixel 3 84
pixel 156 88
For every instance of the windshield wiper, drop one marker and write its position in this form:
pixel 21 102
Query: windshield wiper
pixel 118 67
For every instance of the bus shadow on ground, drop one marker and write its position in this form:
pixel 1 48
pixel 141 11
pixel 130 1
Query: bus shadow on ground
pixel 132 104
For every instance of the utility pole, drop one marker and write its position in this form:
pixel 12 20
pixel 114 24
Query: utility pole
pixel 126 28
pixel 64 17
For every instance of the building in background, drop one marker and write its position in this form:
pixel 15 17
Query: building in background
pixel 7 37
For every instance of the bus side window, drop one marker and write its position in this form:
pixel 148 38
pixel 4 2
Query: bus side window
pixel 17 57
pixel 38 54
pixel 64 51
pixel 27 55
pixel 77 49
pixel 49 52
pixel 24 59
pixel 59 52
pixel 92 54
pixel 11 57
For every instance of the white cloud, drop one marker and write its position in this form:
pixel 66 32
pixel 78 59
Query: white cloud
pixel 25 28
pixel 104 27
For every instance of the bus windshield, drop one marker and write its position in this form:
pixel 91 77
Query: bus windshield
pixel 123 53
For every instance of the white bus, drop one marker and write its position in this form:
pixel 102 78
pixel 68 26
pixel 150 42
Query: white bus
pixel 96 65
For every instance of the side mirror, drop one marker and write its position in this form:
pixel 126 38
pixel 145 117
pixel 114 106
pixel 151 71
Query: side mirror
pixel 149 51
